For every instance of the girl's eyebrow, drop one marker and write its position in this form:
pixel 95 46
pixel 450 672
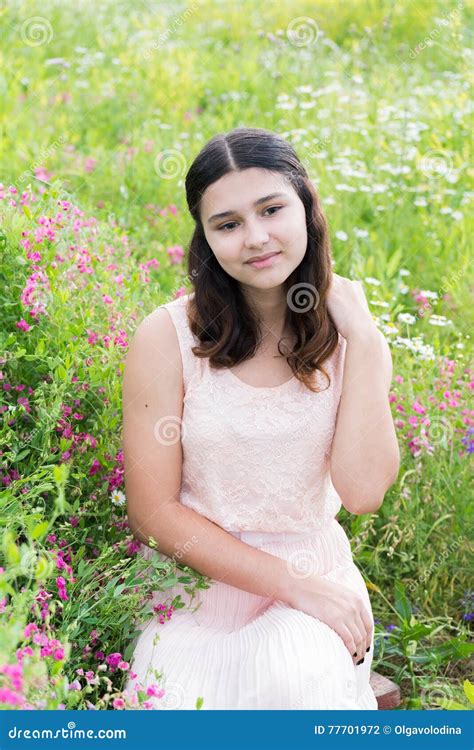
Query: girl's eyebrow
pixel 257 203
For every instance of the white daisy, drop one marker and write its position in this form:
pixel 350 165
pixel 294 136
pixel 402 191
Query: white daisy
pixel 439 320
pixel 389 329
pixel 117 497
pixel 415 345
pixel 370 280
pixel 342 236
pixel 406 318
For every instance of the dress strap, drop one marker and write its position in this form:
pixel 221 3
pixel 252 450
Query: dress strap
pixel 192 365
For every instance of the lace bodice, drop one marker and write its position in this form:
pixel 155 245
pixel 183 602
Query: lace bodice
pixel 256 459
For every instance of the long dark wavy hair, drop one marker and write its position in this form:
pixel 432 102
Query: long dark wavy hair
pixel 218 313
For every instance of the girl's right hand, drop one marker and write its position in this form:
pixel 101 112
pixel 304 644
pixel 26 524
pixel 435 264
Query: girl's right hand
pixel 339 607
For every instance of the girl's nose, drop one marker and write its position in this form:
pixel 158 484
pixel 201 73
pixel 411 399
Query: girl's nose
pixel 255 235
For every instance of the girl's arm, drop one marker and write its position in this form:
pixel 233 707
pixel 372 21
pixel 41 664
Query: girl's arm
pixel 365 457
pixel 152 407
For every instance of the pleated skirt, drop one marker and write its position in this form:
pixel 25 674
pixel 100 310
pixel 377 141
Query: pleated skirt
pixel 237 650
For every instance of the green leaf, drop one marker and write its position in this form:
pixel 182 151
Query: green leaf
pixel 118 590
pixel 402 605
pixel 40 530
pixel 449 705
pixel 468 688
pixel 13 553
pixel 393 263
pixel 61 372
pixel 20 456
pixel 60 473
pixel 41 569
pixel 56 668
pixel 5 588
pixel 418 631
pixel 169 582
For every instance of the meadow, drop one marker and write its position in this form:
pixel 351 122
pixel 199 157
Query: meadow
pixel 105 106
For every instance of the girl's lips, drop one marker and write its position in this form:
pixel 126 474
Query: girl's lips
pixel 264 263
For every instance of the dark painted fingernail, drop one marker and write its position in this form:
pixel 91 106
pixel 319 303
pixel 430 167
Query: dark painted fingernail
pixel 355 654
pixel 367 649
pixel 359 662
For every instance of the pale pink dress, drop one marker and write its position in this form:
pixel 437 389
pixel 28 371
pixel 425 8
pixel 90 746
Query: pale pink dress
pixel 255 462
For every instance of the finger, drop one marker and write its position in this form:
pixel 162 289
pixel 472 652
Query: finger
pixel 369 626
pixel 347 636
pixel 360 637
pixel 357 638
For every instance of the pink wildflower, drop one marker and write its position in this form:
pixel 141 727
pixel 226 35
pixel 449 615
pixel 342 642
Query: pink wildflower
pixel 176 254
pixel 155 691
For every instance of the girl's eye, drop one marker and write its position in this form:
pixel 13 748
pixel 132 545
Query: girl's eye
pixel 226 225
pixel 270 208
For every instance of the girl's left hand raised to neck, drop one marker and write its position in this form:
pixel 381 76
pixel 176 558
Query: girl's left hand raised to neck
pixel 348 308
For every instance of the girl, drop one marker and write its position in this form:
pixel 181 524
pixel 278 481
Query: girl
pixel 254 407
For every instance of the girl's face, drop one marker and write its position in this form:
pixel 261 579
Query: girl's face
pixel 263 215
